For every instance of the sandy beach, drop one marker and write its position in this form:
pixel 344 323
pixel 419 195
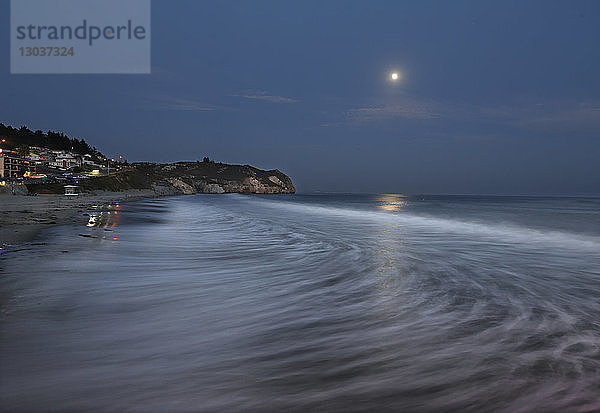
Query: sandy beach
pixel 23 217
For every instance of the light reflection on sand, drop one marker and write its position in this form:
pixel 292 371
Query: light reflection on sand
pixel 105 219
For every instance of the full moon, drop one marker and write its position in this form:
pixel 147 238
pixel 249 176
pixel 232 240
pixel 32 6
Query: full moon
pixel 395 76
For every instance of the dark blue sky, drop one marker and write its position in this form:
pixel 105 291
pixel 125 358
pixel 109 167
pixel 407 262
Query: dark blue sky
pixel 496 97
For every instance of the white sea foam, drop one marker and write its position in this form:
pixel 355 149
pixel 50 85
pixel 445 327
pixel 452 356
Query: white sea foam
pixel 249 303
pixel 507 232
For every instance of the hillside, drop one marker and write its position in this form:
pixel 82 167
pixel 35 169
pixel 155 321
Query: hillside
pixel 183 178
pixel 16 138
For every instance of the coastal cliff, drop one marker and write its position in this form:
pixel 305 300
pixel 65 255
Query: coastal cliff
pixel 182 178
pixel 218 178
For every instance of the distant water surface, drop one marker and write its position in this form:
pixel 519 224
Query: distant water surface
pixel 328 302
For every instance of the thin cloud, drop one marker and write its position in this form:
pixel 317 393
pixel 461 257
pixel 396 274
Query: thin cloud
pixel 549 116
pixel 404 111
pixel 563 115
pixel 582 114
pixel 185 105
pixel 331 124
pixel 407 108
pixel 265 95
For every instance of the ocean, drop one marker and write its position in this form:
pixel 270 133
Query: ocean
pixel 308 302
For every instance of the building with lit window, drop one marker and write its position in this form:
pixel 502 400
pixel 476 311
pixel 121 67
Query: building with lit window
pixel 12 165
pixel 65 160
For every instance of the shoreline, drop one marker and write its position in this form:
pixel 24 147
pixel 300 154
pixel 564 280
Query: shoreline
pixel 23 218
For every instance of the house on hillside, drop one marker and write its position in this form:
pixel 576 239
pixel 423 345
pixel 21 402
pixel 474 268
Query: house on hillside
pixel 65 160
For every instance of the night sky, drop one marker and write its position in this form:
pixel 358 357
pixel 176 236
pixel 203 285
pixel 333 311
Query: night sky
pixel 494 97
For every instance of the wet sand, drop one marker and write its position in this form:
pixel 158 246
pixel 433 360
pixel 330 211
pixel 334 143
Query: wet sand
pixel 23 217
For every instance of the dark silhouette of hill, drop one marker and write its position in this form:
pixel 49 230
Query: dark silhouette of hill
pixel 16 138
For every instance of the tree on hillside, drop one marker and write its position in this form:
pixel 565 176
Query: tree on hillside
pixel 51 140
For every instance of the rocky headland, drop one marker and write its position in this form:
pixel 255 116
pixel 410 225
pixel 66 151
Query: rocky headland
pixel 181 178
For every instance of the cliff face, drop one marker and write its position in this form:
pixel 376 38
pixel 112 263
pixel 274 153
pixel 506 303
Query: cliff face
pixel 217 178
pixel 183 178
